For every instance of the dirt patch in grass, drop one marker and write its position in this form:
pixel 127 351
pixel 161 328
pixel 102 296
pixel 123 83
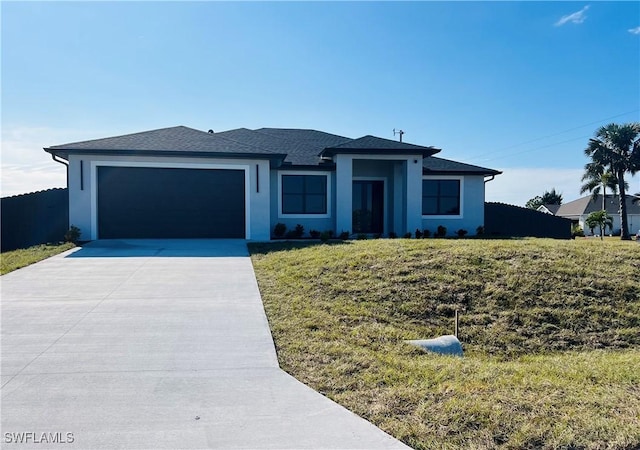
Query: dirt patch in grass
pixel 16 259
pixel 551 331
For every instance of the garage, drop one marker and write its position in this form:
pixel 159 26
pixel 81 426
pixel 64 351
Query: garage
pixel 170 203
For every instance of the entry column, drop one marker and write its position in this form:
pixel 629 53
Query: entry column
pixel 414 193
pixel 344 185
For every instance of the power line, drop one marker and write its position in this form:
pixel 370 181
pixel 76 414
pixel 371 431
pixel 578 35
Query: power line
pixel 554 134
pixel 537 148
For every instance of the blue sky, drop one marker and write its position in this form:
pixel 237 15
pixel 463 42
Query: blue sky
pixel 515 86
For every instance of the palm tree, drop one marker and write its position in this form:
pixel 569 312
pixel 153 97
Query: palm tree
pixel 617 148
pixel 599 219
pixel 548 198
pixel 596 177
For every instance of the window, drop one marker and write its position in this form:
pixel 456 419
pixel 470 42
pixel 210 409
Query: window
pixel 440 197
pixel 304 194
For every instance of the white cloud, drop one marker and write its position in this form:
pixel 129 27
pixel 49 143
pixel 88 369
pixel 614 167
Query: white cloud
pixel 635 30
pixel 21 180
pixel 576 17
pixel 26 167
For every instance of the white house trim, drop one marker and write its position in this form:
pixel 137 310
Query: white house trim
pixel 447 177
pixel 281 215
pixel 166 165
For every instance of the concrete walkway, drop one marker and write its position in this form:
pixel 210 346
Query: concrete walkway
pixel 155 344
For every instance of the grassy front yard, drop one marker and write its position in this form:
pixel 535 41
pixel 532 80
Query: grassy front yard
pixel 16 259
pixel 551 331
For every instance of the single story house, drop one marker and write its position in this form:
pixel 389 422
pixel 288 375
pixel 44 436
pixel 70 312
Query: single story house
pixel 180 182
pixel 578 211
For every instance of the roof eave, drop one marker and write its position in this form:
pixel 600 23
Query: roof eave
pixel 488 172
pixel 64 153
pixel 56 152
pixel 379 151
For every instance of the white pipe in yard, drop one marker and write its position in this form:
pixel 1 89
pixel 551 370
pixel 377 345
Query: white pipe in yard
pixel 443 345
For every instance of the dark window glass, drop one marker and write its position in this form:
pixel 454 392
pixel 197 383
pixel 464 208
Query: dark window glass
pixel 292 203
pixel 315 204
pixel 293 184
pixel 304 194
pixel 440 197
pixel 449 188
pixel 429 206
pixel 315 184
pixel 429 188
pixel 449 205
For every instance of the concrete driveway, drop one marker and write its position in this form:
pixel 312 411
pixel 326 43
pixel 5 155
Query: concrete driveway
pixel 155 344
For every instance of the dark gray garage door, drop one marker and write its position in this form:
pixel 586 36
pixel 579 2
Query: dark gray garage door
pixel 142 202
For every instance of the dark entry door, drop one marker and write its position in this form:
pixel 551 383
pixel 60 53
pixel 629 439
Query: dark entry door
pixel 368 206
pixel 144 202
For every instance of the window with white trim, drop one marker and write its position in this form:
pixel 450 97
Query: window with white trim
pixel 304 194
pixel 440 197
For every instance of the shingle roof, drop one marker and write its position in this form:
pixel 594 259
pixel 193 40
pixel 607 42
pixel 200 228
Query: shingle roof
pixel 437 166
pixel 301 146
pixel 373 144
pixel 586 205
pixel 312 138
pixel 165 140
pixel 294 147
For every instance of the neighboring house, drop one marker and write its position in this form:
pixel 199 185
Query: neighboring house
pixel 183 183
pixel 579 209
pixel 548 209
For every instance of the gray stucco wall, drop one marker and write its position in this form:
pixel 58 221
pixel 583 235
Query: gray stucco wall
pixel 403 199
pixel 472 209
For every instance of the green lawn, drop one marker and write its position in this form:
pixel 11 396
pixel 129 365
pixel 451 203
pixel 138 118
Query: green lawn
pixel 551 332
pixel 16 259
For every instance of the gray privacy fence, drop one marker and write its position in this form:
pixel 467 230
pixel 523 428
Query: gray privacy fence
pixel 36 218
pixel 514 221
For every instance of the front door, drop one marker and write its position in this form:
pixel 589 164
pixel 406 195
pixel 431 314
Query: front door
pixel 368 206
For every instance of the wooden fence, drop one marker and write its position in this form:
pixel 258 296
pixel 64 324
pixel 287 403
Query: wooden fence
pixel 36 218
pixel 514 221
